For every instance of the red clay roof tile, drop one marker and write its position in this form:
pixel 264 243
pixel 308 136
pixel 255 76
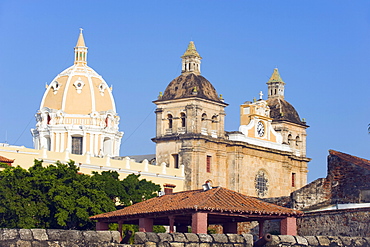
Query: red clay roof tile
pixel 5 160
pixel 215 200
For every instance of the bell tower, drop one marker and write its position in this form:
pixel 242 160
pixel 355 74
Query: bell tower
pixel 286 120
pixel 188 113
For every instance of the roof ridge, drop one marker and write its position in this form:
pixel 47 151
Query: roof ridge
pixel 214 190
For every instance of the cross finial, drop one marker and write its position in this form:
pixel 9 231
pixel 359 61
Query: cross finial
pixel 81 29
pixel 261 94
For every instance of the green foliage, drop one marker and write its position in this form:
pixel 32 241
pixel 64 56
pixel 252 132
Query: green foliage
pixel 159 229
pixel 3 165
pixel 59 197
pixel 138 190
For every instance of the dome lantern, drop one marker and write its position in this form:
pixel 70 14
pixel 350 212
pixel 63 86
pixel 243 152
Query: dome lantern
pixel 275 85
pixel 81 50
pixel 191 60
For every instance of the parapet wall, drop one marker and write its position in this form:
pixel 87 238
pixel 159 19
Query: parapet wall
pixel 57 238
pixel 245 240
pixel 345 222
pixel 74 238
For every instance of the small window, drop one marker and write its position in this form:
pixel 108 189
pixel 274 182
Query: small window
pixel 183 120
pixel 297 141
pixel 293 179
pixel 175 160
pixel 170 121
pixel 209 163
pixel 76 145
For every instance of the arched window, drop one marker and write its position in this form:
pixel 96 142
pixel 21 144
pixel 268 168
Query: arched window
pixel 204 120
pixel 170 121
pixel 297 141
pixel 183 119
pixel 290 139
pixel 214 122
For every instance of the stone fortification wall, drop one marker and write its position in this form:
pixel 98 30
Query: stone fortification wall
pixel 313 195
pixel 348 222
pixel 245 240
pixel 73 238
pixel 57 238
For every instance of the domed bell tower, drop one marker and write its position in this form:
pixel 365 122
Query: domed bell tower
pixel 188 112
pixel 286 120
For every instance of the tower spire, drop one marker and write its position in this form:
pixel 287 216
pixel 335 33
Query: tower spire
pixel 80 50
pixel 275 85
pixel 191 60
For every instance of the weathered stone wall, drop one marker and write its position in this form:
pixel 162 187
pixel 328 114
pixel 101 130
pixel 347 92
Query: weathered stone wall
pixel 347 180
pixel 72 238
pixel 245 240
pixel 317 241
pixel 349 222
pixel 313 195
pixel 284 201
pixel 57 238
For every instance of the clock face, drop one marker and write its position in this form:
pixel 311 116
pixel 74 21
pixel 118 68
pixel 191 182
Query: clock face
pixel 260 129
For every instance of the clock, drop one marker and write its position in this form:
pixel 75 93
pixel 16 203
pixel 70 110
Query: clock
pixel 260 129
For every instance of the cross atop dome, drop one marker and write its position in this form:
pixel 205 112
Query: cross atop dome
pixel 81 50
pixel 191 60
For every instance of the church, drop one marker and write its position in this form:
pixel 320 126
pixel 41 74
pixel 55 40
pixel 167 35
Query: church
pixel 266 157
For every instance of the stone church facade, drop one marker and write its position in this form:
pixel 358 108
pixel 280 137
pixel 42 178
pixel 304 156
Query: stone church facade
pixel 266 157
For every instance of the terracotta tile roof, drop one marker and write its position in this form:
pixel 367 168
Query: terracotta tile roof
pixel 352 159
pixel 5 160
pixel 216 200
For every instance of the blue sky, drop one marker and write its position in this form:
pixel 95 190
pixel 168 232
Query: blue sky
pixel 322 50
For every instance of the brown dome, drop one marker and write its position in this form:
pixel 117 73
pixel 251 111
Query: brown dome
pixel 190 85
pixel 280 109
